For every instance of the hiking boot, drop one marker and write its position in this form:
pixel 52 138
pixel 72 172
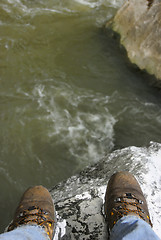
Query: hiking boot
pixel 35 208
pixel 124 197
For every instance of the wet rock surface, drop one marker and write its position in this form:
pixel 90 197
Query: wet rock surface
pixel 139 25
pixel 79 200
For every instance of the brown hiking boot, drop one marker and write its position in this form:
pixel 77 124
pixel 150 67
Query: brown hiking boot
pixel 36 207
pixel 124 197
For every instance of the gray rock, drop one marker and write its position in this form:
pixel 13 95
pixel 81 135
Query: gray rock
pixel 139 25
pixel 79 200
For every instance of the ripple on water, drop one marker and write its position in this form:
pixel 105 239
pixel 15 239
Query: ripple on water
pixel 74 119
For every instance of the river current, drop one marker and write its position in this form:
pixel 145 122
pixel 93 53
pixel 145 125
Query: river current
pixel 68 94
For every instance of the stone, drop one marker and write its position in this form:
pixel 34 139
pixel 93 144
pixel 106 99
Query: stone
pixel 139 26
pixel 79 201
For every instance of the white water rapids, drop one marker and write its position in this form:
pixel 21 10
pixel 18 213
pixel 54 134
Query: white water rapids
pixel 68 97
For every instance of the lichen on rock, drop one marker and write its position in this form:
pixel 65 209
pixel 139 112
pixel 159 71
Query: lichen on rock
pixel 79 201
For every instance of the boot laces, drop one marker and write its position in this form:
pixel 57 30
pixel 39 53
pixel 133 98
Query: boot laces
pixel 128 204
pixel 33 215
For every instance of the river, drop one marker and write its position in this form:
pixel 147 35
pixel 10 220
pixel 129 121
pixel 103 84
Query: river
pixel 68 94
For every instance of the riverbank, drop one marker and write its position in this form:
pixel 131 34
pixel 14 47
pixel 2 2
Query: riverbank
pixel 138 23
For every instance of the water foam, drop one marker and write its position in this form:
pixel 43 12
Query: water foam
pixel 96 3
pixel 77 118
pixel 24 8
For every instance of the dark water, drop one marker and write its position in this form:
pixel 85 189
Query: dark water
pixel 68 94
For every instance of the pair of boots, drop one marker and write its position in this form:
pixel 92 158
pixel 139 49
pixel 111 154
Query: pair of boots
pixel 123 197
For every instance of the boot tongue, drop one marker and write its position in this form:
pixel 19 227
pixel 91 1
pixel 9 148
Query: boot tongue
pixel 131 207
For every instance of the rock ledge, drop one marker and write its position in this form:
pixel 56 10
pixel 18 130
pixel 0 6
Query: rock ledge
pixel 139 25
